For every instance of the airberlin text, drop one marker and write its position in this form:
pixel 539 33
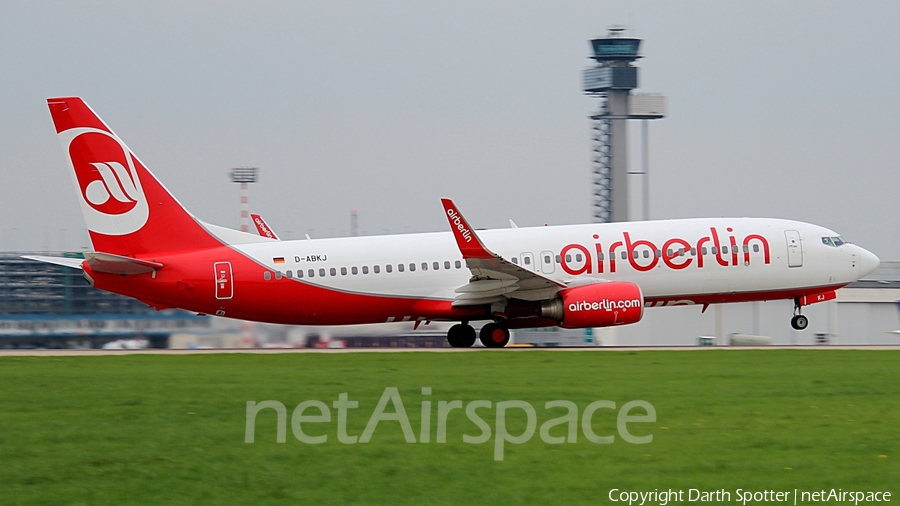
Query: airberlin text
pixel 460 225
pixel 676 253
pixel 515 421
pixel 605 305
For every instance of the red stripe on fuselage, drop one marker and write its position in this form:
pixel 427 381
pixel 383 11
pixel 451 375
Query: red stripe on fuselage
pixel 724 298
pixel 187 282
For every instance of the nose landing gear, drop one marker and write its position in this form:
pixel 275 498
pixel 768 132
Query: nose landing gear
pixel 798 322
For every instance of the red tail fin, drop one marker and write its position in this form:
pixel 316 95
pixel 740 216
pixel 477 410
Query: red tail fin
pixel 127 210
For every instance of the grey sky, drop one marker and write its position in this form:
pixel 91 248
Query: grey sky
pixel 782 109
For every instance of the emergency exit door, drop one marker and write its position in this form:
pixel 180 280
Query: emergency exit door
pixel 224 280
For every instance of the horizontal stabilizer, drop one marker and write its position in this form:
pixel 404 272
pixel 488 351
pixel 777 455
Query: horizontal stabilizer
pixel 74 263
pixel 115 264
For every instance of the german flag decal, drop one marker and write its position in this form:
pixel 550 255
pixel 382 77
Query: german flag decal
pixel 278 260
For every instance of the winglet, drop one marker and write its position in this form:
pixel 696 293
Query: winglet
pixel 469 244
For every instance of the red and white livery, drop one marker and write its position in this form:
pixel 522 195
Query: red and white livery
pixel 150 248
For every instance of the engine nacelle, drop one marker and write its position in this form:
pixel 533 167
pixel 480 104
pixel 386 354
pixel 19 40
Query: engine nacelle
pixel 596 305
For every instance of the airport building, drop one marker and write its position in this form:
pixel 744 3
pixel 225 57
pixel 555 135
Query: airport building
pixel 50 306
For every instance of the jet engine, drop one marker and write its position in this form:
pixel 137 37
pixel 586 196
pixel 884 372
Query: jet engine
pixel 596 305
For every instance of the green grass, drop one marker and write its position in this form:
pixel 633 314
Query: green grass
pixel 159 429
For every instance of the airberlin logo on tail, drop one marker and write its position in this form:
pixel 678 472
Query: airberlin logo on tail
pixel 112 198
pixel 115 182
pixel 458 222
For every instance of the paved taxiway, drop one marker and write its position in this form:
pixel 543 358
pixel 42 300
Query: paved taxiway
pixel 264 351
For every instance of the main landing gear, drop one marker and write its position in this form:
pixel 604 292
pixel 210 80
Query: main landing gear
pixel 798 322
pixel 493 335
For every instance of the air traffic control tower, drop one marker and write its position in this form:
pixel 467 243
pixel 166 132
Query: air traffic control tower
pixel 612 80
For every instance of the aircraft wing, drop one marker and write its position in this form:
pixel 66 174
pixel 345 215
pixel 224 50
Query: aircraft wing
pixel 493 277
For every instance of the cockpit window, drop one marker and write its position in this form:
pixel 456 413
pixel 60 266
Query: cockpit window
pixel 833 241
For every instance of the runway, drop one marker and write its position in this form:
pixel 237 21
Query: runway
pixel 273 351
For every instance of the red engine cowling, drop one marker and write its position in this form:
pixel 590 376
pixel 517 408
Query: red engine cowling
pixel 596 305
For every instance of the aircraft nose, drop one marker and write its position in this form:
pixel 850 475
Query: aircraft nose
pixel 868 262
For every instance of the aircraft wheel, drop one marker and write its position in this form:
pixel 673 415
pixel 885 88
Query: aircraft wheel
pixel 799 322
pixel 494 335
pixel 461 335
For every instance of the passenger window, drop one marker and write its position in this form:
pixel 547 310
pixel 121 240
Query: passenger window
pixel 299 273
pixel 412 267
pixel 681 252
pixel 578 257
pixel 376 269
pixel 333 271
pixel 756 248
pixel 436 265
pixel 289 274
pixel 693 252
pixel 635 254
pixel 646 253
pixel 546 259
pixel 354 270
pixel 669 253
pixel 322 273
pixel 277 274
pixel 703 250
pixel 557 259
pixel 724 250
pixel 388 268
pixel 458 264
pixel 312 273
pixel 527 260
pixel 515 260
pixel 713 250
pixel 746 249
pixel 424 266
pixel 447 264
pixel 599 256
pixel 267 275
pixel 399 267
pixel 624 255
pixel 343 271
pixel 568 258
pixel 365 269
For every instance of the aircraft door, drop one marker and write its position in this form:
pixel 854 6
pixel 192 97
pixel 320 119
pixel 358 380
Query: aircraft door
pixel 224 280
pixel 528 261
pixel 795 249
pixel 547 263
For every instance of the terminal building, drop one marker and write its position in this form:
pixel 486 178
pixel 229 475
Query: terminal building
pixel 50 306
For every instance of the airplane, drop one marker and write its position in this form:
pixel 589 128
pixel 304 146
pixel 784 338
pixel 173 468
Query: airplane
pixel 149 247
pixel 262 227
